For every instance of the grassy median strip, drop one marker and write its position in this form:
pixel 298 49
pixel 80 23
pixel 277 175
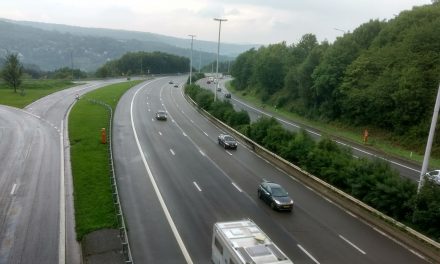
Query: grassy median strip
pixel 33 90
pixel 94 207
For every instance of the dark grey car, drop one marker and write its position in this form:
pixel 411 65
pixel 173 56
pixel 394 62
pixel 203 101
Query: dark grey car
pixel 275 196
pixel 227 141
pixel 161 115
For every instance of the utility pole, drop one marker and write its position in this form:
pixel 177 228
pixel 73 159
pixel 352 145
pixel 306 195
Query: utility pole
pixel 191 61
pixel 218 51
pixel 429 143
pixel 200 60
pixel 71 63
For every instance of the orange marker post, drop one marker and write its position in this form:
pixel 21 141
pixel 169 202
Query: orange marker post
pixel 103 136
pixel 365 136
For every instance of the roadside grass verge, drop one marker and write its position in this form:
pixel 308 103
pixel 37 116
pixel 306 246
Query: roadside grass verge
pixel 33 90
pixel 94 208
pixel 377 139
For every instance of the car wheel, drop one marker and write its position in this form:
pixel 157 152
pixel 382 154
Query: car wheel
pixel 259 194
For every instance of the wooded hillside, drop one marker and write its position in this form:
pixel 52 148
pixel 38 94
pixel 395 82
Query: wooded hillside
pixel 384 75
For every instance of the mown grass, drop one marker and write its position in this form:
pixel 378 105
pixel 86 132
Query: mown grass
pixel 33 90
pixel 94 207
pixel 376 139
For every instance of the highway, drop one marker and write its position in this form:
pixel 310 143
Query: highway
pixel 175 182
pixel 405 168
pixel 36 205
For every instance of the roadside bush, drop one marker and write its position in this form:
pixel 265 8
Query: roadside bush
pixel 237 119
pixel 427 210
pixel 195 77
pixel 298 147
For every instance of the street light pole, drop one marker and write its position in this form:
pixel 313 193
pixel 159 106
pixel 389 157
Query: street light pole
pixel 429 143
pixel 191 61
pixel 218 51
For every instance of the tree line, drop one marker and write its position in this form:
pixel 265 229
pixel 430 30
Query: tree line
pixel 140 63
pixel 384 75
pixel 372 181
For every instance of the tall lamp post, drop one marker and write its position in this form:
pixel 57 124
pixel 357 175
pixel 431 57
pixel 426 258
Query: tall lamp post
pixel 429 143
pixel 218 51
pixel 191 61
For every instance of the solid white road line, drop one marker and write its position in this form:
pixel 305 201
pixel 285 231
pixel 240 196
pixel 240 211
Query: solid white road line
pixel 236 186
pixel 353 245
pixel 160 133
pixel 156 188
pixel 13 189
pixel 205 133
pixel 184 134
pixel 230 154
pixel 172 152
pixel 308 254
pixel 62 231
pixel 350 213
pixel 197 186
pixel 201 152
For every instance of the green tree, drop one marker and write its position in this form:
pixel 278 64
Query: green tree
pixel 12 71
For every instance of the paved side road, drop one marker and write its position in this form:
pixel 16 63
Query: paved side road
pixel 36 205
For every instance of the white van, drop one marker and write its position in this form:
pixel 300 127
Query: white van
pixel 243 242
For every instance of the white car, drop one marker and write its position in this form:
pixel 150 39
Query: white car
pixel 434 176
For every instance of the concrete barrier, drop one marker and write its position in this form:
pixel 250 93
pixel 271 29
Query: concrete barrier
pixel 394 229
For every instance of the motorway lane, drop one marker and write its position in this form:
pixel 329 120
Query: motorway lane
pixel 30 151
pixel 196 176
pixel 28 186
pixel 405 169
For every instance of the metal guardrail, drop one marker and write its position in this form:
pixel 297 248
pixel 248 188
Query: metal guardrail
pixel 394 228
pixel 126 251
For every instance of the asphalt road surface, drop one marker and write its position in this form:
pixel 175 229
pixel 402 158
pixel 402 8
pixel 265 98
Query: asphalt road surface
pixel 405 168
pixel 175 182
pixel 36 221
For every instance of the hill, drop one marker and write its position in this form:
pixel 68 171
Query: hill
pixel 382 76
pixel 53 46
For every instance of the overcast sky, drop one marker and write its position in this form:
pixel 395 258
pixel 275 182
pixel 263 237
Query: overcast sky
pixel 249 21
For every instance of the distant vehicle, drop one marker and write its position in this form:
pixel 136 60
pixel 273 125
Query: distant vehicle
pixel 161 115
pixel 227 95
pixel 176 86
pixel 434 176
pixel 227 141
pixel 243 242
pixel 275 196
pixel 208 82
pixel 170 82
pixel 219 89
pixel 211 79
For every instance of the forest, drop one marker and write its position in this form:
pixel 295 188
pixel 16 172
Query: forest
pixel 140 63
pixel 383 76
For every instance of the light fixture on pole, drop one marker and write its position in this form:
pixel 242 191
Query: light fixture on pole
pixel 218 51
pixel 191 60
pixel 343 31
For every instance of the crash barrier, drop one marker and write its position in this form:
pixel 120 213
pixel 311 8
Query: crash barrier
pixel 395 229
pixel 119 213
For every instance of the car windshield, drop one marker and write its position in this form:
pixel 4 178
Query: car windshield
pixel 229 138
pixel 278 192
